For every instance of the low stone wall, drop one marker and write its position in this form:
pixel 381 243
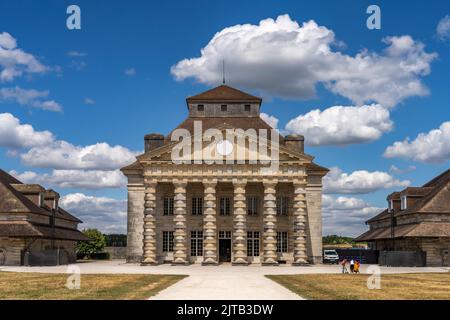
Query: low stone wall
pixel 116 252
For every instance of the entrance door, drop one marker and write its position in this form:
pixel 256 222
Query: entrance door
pixel 224 250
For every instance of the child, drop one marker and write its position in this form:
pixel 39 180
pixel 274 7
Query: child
pixel 356 267
pixel 352 266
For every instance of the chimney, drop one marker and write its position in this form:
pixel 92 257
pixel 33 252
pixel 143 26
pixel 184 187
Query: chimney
pixel 295 142
pixel 153 141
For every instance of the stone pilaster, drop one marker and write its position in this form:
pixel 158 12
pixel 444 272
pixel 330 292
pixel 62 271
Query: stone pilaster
pixel 300 251
pixel 209 224
pixel 180 238
pixel 240 224
pixel 149 241
pixel 270 221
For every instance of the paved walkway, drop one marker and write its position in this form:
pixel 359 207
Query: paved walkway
pixel 222 282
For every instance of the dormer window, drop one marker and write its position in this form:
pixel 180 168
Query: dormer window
pixel 403 205
pixel 200 108
pixel 247 108
pixel 223 108
pixel 390 205
pixel 41 199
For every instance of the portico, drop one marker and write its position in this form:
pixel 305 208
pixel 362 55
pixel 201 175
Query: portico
pixel 207 213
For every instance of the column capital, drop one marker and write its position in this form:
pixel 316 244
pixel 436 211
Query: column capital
pixel 150 182
pixel 209 182
pixel 269 183
pixel 239 182
pixel 181 183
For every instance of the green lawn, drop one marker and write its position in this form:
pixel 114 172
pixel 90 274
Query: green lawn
pixel 44 286
pixel 354 287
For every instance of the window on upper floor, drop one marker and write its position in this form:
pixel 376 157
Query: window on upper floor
pixel 247 108
pixel 224 108
pixel 252 206
pixel 168 206
pixel 197 206
pixel 225 206
pixel 282 206
pixel 201 108
pixel 403 205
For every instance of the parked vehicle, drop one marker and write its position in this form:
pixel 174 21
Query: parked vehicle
pixel 330 256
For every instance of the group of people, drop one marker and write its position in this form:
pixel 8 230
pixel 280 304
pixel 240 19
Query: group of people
pixel 354 266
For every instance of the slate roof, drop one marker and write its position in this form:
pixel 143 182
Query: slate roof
pixel 422 229
pixel 223 93
pixel 13 201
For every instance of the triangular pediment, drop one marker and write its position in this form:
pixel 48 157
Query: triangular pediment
pixel 226 143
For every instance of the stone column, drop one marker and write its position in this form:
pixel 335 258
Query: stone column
pixel 300 253
pixel 179 219
pixel 270 221
pixel 240 224
pixel 149 241
pixel 209 224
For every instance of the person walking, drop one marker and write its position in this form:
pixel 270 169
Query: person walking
pixel 344 266
pixel 352 266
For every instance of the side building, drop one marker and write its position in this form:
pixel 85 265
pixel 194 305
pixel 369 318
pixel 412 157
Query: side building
pixel 417 219
pixel 33 228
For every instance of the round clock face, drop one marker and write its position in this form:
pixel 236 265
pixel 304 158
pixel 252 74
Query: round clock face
pixel 224 147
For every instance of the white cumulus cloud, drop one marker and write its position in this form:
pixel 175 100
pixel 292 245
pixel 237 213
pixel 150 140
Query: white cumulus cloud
pixel 271 120
pixel 81 179
pixel 284 59
pixel 443 29
pixel 341 125
pixel 29 97
pixel 431 147
pixel 346 215
pixel 15 62
pixel 14 135
pixel 103 213
pixel 359 182
pixel 64 155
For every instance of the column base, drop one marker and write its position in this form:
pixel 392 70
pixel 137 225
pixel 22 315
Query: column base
pixel 210 263
pixel 300 264
pixel 268 264
pixel 149 264
pixel 243 263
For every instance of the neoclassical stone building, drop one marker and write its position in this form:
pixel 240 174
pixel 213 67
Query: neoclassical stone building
pixel 205 210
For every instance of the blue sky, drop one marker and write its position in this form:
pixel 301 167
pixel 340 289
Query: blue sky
pixel 112 82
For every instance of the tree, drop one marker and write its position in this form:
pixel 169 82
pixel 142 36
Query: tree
pixel 96 244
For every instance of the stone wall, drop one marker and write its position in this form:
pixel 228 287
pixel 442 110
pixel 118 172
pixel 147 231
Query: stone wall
pixel 135 220
pixel 10 249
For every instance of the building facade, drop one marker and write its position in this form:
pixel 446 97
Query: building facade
pixel 33 228
pixel 214 203
pixel 417 219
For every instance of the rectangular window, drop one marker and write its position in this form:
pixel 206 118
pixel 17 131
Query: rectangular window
pixel 247 108
pixel 200 107
pixel 223 108
pixel 167 241
pixel 403 204
pixel 252 206
pixel 282 241
pixel 253 243
pixel 168 206
pixel 282 206
pixel 197 206
pixel 196 243
pixel 225 208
